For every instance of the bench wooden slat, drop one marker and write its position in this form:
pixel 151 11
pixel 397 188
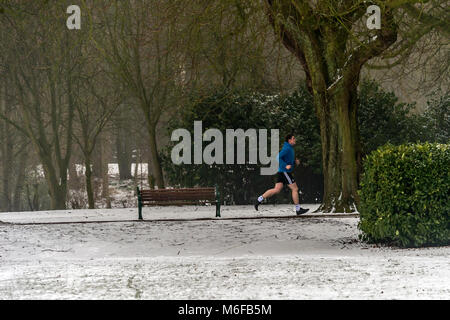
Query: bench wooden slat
pixel 178 193
pixel 186 192
pixel 177 203
pixel 178 190
pixel 180 196
pixel 178 199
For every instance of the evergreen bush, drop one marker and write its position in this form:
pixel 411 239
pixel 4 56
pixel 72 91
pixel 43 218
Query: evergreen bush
pixel 405 195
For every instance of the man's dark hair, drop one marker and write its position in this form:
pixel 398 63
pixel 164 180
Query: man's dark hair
pixel 289 136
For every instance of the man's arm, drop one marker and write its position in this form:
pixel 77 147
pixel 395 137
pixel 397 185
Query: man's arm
pixel 281 157
pixel 297 162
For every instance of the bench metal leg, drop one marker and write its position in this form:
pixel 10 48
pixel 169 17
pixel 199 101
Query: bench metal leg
pixel 217 202
pixel 140 210
pixel 218 209
pixel 139 204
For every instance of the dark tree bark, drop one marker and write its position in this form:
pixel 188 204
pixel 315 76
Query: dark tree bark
pixel 74 180
pixel 105 150
pixel 89 189
pixel 6 151
pixel 156 168
pixel 124 154
pixel 20 177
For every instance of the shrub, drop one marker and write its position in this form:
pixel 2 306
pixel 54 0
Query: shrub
pixel 405 195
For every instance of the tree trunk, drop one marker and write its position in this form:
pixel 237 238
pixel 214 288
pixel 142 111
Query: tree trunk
pixel 97 168
pixel 89 189
pixel 74 180
pixel 136 167
pixel 341 149
pixel 6 152
pixel 57 197
pixel 33 204
pixel 97 159
pixel 57 184
pixel 105 175
pixel 5 202
pixel 150 177
pixel 17 199
pixel 124 156
pixel 154 159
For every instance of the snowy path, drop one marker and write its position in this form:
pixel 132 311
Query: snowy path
pixel 153 213
pixel 317 258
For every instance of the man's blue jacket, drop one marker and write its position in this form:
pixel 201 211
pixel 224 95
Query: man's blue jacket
pixel 286 157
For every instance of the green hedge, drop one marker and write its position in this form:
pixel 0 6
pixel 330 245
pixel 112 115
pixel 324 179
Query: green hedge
pixel 405 195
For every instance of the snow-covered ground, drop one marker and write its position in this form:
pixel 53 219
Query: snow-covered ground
pixel 155 213
pixel 307 257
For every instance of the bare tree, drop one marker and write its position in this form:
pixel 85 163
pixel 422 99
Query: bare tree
pixel 40 66
pixel 139 47
pixel 97 104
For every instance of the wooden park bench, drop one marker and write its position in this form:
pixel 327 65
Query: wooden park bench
pixel 179 197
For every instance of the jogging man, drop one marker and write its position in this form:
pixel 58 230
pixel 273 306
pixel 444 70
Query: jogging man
pixel 284 175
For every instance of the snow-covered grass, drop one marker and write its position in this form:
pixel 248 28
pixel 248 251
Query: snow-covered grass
pixel 281 258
